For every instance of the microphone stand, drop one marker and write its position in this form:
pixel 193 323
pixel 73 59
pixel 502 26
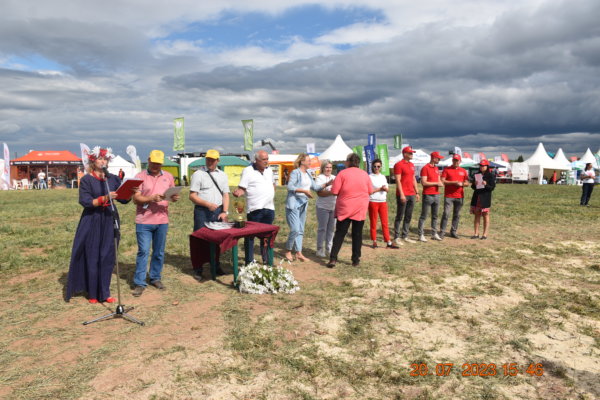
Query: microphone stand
pixel 121 311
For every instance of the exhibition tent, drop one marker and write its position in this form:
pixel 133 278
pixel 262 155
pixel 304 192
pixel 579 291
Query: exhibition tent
pixel 118 163
pixel 55 164
pixel 231 165
pixel 588 157
pixel 562 159
pixel 541 165
pixel 337 151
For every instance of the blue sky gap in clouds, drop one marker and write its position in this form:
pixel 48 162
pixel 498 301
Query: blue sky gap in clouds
pixel 274 32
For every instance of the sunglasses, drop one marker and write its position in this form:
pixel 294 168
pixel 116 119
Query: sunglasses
pixel 376 166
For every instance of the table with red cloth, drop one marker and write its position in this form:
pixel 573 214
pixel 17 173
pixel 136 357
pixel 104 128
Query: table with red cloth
pixel 205 243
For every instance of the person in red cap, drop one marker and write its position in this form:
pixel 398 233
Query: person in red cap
pixel 430 179
pixel 406 195
pixel 454 179
pixel 484 183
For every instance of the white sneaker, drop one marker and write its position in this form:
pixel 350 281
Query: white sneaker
pixel 407 240
pixel 422 238
pixel 321 253
pixel 435 236
pixel 398 242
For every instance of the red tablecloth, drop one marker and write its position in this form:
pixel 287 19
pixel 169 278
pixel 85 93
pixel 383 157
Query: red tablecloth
pixel 225 239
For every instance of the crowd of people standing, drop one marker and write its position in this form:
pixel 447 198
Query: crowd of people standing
pixel 343 203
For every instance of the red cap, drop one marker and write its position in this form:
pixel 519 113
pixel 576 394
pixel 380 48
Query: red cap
pixel 484 162
pixel 457 157
pixel 437 155
pixel 408 149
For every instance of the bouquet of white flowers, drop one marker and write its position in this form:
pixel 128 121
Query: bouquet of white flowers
pixel 255 278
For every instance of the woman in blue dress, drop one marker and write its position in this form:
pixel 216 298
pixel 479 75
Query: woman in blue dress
pixel 299 187
pixel 93 254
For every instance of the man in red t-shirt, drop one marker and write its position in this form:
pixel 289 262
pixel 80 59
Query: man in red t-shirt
pixel 454 179
pixel 430 179
pixel 406 194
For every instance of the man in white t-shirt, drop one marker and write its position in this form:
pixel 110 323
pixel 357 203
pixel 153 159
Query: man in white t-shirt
pixel 257 184
pixel 42 180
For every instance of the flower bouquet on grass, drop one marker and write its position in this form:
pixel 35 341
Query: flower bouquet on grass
pixel 255 278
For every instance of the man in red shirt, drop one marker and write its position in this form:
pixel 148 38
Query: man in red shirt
pixel 406 194
pixel 430 179
pixel 454 179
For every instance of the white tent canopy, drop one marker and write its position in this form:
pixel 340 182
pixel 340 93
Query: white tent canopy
pixel 118 163
pixel 338 151
pixel 465 161
pixel 588 157
pixel 562 159
pixel 541 165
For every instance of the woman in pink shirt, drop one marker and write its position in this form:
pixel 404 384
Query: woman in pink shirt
pixel 353 188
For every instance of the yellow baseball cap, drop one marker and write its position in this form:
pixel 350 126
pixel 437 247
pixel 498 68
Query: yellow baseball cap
pixel 157 156
pixel 214 154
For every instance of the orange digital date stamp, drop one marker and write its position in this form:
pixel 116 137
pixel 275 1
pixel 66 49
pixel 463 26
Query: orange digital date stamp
pixel 477 369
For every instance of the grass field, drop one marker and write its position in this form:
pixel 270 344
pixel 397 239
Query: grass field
pixel 526 300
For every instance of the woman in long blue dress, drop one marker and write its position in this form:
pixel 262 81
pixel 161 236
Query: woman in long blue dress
pixel 93 254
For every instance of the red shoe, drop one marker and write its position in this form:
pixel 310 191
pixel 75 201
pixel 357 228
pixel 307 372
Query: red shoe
pixel 93 301
pixel 111 300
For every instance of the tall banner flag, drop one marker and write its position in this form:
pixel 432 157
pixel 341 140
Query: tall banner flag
pixel 398 141
pixel 85 151
pixel 310 147
pixel 370 156
pixel 6 169
pixel 504 157
pixel 372 139
pixel 476 157
pixel 359 151
pixel 467 155
pixel 382 154
pixel 132 152
pixel 179 134
pixel 497 159
pixel 458 150
pixel 248 134
pixel 482 156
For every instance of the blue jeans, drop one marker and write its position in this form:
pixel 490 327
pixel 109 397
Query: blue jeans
pixel 42 184
pixel 265 216
pixel 202 215
pixel 157 236
pixel 296 219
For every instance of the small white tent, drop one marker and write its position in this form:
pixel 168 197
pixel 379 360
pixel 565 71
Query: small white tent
pixel 541 165
pixel 338 151
pixel 588 157
pixel 562 159
pixel 118 163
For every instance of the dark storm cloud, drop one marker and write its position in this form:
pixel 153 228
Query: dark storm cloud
pixel 513 80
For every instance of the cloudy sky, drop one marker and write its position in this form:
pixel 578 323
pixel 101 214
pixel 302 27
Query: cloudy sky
pixel 487 76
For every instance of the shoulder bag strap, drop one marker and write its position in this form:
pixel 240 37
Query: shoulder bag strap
pixel 215 182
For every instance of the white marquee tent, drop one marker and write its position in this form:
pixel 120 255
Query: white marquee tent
pixel 562 159
pixel 118 163
pixel 588 157
pixel 541 165
pixel 338 151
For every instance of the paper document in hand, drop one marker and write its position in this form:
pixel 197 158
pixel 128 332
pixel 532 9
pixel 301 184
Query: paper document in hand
pixel 172 191
pixel 125 191
pixel 479 181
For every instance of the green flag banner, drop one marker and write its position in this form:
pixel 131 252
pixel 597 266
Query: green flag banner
pixel 382 154
pixel 179 136
pixel 359 151
pixel 248 134
pixel 398 141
